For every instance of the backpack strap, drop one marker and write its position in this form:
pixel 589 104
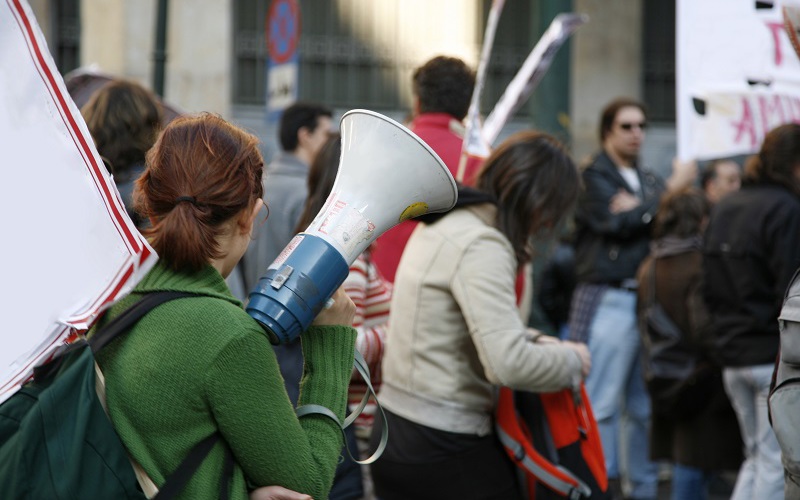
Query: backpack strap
pixel 361 366
pixel 120 324
pixel 518 447
pixel 176 482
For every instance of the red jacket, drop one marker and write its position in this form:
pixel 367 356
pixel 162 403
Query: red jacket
pixel 445 135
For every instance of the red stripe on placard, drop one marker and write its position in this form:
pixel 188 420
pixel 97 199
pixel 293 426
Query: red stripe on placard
pixel 83 147
pixel 107 298
pixel 114 285
pixel 103 297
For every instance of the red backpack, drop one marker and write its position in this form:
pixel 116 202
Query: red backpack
pixel 554 439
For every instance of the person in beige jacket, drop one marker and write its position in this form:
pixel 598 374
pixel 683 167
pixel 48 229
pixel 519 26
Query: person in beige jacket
pixel 456 332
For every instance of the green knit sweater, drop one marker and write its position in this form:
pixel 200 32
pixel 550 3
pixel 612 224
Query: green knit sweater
pixel 199 365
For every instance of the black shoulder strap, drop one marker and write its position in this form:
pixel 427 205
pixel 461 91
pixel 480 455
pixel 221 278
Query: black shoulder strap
pixel 177 481
pixel 130 316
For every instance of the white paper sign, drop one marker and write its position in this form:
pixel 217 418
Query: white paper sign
pixel 737 76
pixel 69 248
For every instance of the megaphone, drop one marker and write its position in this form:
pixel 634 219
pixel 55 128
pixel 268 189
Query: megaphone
pixel 386 175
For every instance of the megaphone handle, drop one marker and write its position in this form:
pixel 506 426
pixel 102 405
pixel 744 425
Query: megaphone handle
pixel 361 366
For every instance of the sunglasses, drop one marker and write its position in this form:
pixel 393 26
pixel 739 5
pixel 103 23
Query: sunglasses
pixel 629 126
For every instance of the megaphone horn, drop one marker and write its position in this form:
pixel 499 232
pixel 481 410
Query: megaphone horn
pixel 386 175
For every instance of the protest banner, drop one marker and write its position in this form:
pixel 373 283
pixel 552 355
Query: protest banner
pixel 531 73
pixel 479 138
pixel 737 76
pixel 474 145
pixel 70 249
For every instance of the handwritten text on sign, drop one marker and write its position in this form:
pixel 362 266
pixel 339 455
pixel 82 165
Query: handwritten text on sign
pixel 737 78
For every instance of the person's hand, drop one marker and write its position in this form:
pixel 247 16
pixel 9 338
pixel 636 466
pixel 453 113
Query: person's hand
pixel 277 493
pixel 583 354
pixel 622 202
pixel 684 173
pixel 544 339
pixel 340 312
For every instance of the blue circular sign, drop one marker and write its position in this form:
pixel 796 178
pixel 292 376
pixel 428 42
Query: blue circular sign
pixel 283 30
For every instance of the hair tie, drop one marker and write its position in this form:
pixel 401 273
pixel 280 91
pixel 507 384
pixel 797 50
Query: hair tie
pixel 190 199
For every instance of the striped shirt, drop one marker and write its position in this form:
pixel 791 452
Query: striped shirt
pixel 372 295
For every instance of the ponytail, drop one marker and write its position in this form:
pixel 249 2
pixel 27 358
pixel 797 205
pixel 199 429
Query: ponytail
pixel 202 172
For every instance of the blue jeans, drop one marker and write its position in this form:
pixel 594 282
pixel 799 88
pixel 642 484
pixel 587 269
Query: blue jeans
pixel 690 483
pixel 616 389
pixel 761 474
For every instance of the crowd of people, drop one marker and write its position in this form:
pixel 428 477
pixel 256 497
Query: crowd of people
pixel 664 293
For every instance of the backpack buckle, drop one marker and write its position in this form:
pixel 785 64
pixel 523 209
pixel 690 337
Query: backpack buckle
pixel 519 452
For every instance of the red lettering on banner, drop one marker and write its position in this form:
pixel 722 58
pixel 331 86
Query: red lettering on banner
pixel 776 29
pixel 745 125
pixel 772 111
pixel 794 110
pixel 767 111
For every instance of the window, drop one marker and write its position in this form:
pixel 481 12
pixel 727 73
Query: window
pixel 658 51
pixel 345 60
pixel 67 34
pixel 249 75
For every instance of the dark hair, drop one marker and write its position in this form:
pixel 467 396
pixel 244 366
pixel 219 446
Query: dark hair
pixel 609 113
pixel 297 116
pixel 213 163
pixel 709 173
pixel 681 213
pixel 321 176
pixel 444 85
pixel 777 159
pixel 535 183
pixel 124 119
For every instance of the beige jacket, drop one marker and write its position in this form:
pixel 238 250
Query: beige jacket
pixel 455 331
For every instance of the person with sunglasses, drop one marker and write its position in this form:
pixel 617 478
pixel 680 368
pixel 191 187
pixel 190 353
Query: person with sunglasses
pixel 612 225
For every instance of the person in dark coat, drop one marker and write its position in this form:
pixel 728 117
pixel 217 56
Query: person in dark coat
pixel 695 428
pixel 750 252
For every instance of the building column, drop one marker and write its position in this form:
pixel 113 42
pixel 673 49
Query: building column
pixel 606 63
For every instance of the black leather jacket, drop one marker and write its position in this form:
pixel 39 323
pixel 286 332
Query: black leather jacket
pixel 609 247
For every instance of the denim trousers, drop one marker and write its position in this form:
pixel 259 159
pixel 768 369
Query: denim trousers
pixel 690 483
pixel 761 473
pixel 617 392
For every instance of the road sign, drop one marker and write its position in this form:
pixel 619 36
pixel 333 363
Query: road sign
pixel 282 33
pixel 283 30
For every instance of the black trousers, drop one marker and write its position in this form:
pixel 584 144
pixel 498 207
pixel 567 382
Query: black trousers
pixel 421 463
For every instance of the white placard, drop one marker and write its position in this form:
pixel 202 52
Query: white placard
pixel 282 86
pixel 737 76
pixel 69 248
